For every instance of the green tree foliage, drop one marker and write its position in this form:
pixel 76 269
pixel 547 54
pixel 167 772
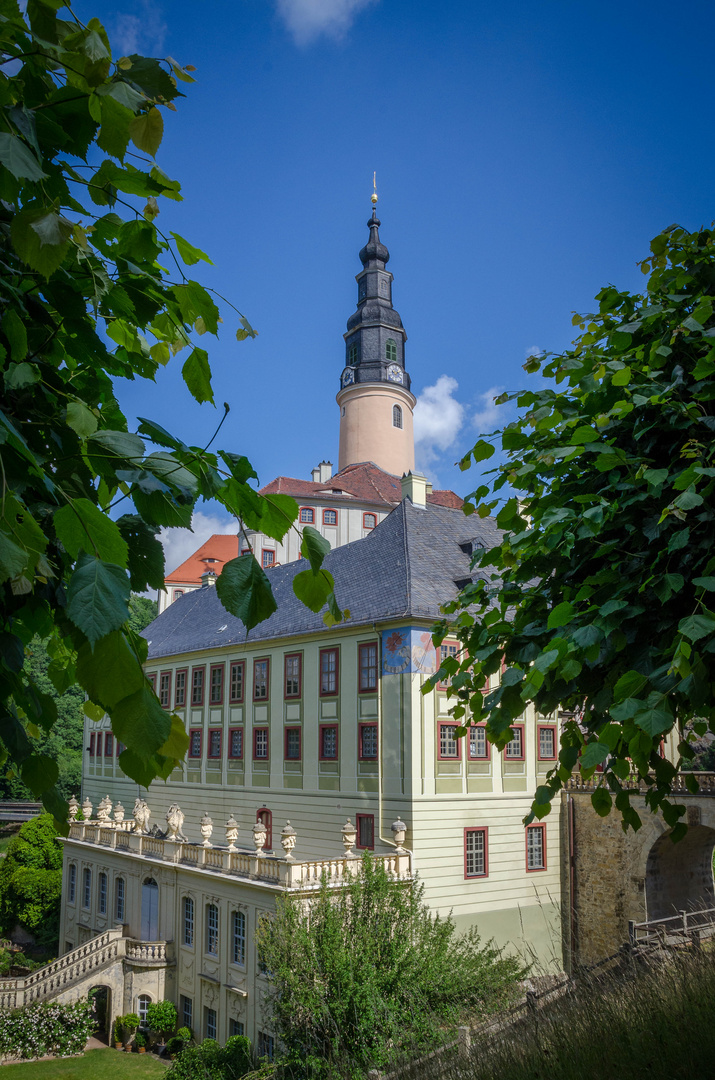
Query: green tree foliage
pixel 84 301
pixel 142 611
pixel 161 1017
pixel 366 975
pixel 31 882
pixel 210 1061
pixel 600 596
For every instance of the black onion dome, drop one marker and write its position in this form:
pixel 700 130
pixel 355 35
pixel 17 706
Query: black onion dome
pixel 373 249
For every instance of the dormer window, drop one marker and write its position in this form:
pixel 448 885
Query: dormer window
pixel 396 416
pixel 390 351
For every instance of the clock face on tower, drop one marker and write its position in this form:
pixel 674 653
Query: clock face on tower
pixel 348 376
pixel 395 373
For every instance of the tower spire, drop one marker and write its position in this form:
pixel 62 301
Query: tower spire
pixel 374 380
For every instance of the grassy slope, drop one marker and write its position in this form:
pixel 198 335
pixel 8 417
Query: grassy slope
pixel 107 1064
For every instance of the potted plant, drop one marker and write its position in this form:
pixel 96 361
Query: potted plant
pixel 118 1032
pixel 140 1042
pixel 161 1017
pixel 129 1025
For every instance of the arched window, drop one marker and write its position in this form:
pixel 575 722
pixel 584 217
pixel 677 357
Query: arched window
pixel 102 894
pixel 266 819
pixel 119 899
pixel 87 889
pixel 212 930
pixel 390 350
pixel 143 1003
pixel 150 910
pixel 396 416
pixel 188 921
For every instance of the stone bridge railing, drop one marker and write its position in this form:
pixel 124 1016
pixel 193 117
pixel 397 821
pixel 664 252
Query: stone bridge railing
pixel 706 781
pixel 82 963
pixel 283 873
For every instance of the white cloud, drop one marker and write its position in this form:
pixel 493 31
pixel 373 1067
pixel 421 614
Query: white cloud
pixel 141 32
pixel 309 19
pixel 179 544
pixel 488 414
pixel 533 350
pixel 438 419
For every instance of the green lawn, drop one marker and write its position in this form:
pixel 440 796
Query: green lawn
pixel 107 1064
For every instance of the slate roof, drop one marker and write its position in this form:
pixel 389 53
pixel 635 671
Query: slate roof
pixel 364 481
pixel 405 568
pixel 219 547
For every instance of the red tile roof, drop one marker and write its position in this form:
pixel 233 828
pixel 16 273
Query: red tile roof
pixel 218 547
pixel 365 481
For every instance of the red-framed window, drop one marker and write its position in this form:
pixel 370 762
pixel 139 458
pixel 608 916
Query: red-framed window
pixel 307 515
pixel 238 679
pixel 246 551
pixel 476 852
pixel 449 748
pixel 180 679
pixel 329 672
pixel 447 648
pixel 328 742
pixel 92 741
pixel 152 680
pixel 268 558
pixel 367 668
pixel 367 742
pixel 266 818
pixel 479 745
pixel 195 742
pixel 292 750
pixel 535 847
pixel 365 828
pixel 165 689
pixel 235 743
pixel 109 745
pixel 514 749
pixel 216 674
pixel 214 748
pixel 293 675
pixel 330 517
pixel 369 521
pixel 261 672
pixel 178 593
pixel 546 742
pixel 198 677
pixel 260 744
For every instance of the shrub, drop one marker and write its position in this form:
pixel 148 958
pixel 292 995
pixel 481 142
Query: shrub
pixel 367 975
pixel 161 1017
pixel 209 1061
pixel 127 1025
pixel 46 1028
pixel 139 1039
pixel 31 881
pixel 183 1038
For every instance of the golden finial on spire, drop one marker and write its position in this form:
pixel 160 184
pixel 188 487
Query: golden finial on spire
pixel 373 197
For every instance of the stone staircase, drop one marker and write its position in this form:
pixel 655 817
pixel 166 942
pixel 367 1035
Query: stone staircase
pixel 71 977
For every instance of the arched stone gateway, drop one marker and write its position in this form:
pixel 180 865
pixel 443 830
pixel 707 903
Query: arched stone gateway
pixel 100 1000
pixel 614 878
pixel 679 877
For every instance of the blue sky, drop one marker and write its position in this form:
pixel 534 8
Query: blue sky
pixel 525 156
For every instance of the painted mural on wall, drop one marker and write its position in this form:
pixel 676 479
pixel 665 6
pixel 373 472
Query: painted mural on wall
pixel 408 651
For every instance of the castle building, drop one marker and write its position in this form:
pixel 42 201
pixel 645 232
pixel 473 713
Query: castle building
pixel 307 743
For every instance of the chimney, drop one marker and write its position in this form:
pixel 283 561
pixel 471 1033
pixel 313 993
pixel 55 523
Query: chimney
pixel 208 578
pixel 315 475
pixel 414 488
pixel 326 471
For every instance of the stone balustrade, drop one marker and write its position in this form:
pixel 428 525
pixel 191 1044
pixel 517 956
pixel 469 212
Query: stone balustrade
pixel 706 781
pixel 274 871
pixel 81 963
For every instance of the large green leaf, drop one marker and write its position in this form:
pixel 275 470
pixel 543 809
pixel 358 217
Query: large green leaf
pixel 561 614
pixel 147 130
pixel 82 526
pixel 19 159
pixel 146 553
pixel 98 597
pixel 197 375
pixel 188 252
pixel 139 721
pixel 110 671
pixel 629 685
pixel 695 627
pixel 313 589
pixel 40 772
pixel 245 591
pixel 314 547
pixel 41 238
